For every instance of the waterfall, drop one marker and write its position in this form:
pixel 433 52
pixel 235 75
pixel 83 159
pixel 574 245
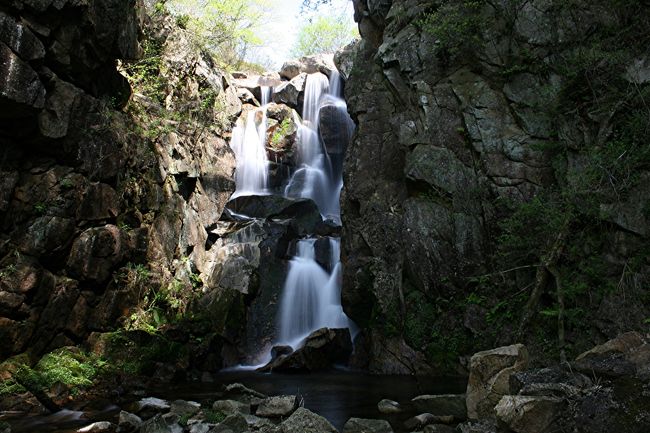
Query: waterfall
pixel 317 177
pixel 248 142
pixel 311 298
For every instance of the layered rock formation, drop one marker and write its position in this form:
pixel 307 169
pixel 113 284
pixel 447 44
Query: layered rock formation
pixel 471 116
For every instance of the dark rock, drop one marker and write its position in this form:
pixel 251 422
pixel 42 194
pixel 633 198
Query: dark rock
pixel 527 414
pixel 235 423
pixel 231 406
pixel 389 407
pixel 95 253
pixel 278 351
pixel 55 118
pixel 99 427
pixel 626 355
pixel 290 92
pixel 22 90
pixel 419 421
pixel 156 424
pixel 305 421
pixel 184 408
pixel 303 213
pixel 238 392
pixel 128 422
pixel 447 404
pixel 277 406
pixel 20 39
pixel 439 428
pixel 321 350
pixel 360 425
pixel 150 406
pixel 335 127
pixel 525 381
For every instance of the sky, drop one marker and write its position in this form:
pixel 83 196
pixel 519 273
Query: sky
pixel 280 29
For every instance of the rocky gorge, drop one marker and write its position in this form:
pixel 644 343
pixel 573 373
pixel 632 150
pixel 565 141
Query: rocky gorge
pixel 494 193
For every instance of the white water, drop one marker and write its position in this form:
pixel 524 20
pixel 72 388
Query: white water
pixel 311 298
pixel 316 177
pixel 249 144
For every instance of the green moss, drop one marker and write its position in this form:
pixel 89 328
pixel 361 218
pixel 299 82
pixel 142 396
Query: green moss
pixel 213 416
pixel 455 24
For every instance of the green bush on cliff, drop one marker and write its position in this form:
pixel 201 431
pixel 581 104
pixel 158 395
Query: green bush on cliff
pixel 456 24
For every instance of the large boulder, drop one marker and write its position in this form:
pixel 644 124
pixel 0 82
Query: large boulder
pixel 303 214
pixel 447 404
pixel 553 381
pixel 626 355
pixel 362 425
pixel 305 421
pixel 22 90
pixel 489 378
pixel 528 414
pixel 323 348
pixel 323 63
pixel 277 407
pixel 289 93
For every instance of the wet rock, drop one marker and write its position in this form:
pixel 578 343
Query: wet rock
pixel 305 421
pixel 95 253
pixel 335 128
pixel 626 355
pixel 527 414
pixel 278 406
pixel 289 93
pixel 322 349
pixel 99 427
pixel 489 378
pixel 361 425
pixel 128 422
pixel 447 404
pixel 231 406
pixel 20 39
pixel 150 406
pixel 389 407
pixel 184 408
pixel 278 351
pixel 155 424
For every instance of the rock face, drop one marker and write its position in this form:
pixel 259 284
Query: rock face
pixel 97 200
pixel 525 414
pixel 626 355
pixel 489 378
pixel 446 136
pixel 305 421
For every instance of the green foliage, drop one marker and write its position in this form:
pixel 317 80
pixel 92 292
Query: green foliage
pixel 40 208
pixel 283 130
pixel 8 270
pixel 213 416
pixel 455 24
pixel 146 75
pixel 226 28
pixel 324 34
pixel 133 352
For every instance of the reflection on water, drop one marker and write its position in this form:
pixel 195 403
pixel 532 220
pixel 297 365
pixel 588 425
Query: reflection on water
pixel 337 396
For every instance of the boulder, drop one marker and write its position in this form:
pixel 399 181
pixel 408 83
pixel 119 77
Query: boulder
pixel 489 378
pixel 305 421
pixel 231 406
pixel 361 425
pixel 155 424
pixel 419 421
pixel 335 127
pixel 289 93
pixel 528 414
pixel 99 427
pixel 238 392
pixel 128 422
pixel 278 351
pixel 553 381
pixel 323 63
pixel 323 348
pixel 626 355
pixel 277 407
pixel 447 404
pixel 150 406
pixel 271 206
pixel 290 69
pixel 184 408
pixel 234 423
pixel 344 58
pixel 389 407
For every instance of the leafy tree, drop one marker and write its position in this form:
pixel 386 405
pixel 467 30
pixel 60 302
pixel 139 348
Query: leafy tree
pixel 225 27
pixel 324 34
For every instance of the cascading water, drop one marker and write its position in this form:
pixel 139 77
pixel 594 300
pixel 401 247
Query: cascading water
pixel 318 177
pixel 249 144
pixel 311 298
